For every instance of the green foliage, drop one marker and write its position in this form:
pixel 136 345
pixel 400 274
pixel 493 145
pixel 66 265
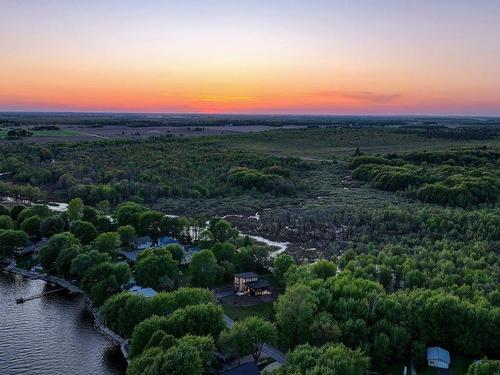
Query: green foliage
pixel 323 269
pixel 11 240
pixel 198 320
pixel 107 242
pixel 295 313
pixel 485 367
pixel 127 235
pixel 104 279
pixel 122 312
pixel 84 231
pixel 6 222
pixel 32 226
pixel 281 264
pixel 65 258
pixel 462 178
pixel 51 226
pixel 247 337
pixel 203 268
pixel 84 261
pixel 75 209
pixel 155 268
pixel 329 359
pixel 49 253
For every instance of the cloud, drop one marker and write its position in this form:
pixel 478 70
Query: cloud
pixel 366 96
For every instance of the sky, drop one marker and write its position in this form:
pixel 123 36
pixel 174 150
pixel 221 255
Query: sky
pixel 422 57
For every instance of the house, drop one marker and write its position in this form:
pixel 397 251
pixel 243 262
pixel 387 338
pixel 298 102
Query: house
pixel 438 357
pixel 249 368
pixel 249 283
pixel 32 248
pixel 189 251
pixel 146 292
pixel 144 243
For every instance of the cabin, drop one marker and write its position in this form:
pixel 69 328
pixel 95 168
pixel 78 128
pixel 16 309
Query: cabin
pixel 438 357
pixel 249 283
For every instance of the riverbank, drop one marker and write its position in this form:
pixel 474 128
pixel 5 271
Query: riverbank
pixel 98 322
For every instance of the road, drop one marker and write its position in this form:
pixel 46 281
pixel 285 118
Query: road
pixel 267 350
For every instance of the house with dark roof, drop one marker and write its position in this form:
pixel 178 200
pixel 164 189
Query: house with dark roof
pixel 249 368
pixel 249 283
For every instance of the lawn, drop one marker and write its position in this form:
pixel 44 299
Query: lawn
pixel 264 310
pixel 459 366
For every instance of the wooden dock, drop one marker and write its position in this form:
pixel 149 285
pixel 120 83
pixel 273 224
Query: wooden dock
pixel 22 300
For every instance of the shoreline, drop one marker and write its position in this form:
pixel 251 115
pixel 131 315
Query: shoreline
pixel 98 323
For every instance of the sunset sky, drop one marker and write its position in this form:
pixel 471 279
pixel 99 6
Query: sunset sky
pixel 258 56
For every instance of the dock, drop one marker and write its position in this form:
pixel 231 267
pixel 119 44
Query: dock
pixel 22 300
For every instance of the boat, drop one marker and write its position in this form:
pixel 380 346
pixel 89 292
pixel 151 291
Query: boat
pixel 19 300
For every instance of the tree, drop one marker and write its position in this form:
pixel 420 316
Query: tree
pixel 200 320
pixel 324 269
pixel 49 253
pixel 84 231
pixel 90 214
pixel 329 359
pixel 484 367
pixel 127 235
pixel 107 242
pixel 295 312
pixel 51 225
pixel 143 332
pixel 280 265
pixel 248 337
pixel 156 268
pixel 223 231
pixel 177 252
pixel 15 211
pixel 32 226
pixel 104 280
pixel 11 240
pixel 223 251
pixel 123 311
pixel 6 222
pixel 128 213
pixel 149 223
pixel 84 261
pixel 65 258
pixel 203 268
pixel 75 209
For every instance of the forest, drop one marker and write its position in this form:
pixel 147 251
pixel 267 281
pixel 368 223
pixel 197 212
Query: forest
pixel 391 248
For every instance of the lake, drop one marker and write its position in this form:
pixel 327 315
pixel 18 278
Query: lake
pixel 50 335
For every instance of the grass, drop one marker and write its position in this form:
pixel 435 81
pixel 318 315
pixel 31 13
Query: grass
pixel 338 143
pixel 264 310
pixel 459 366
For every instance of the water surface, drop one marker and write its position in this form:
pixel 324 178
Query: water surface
pixel 51 335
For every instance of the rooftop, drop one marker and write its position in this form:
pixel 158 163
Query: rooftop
pixel 259 284
pixel 146 292
pixel 246 275
pixel 438 354
pixel 245 369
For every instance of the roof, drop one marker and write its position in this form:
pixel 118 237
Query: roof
pixel 146 292
pixel 245 369
pixel 259 284
pixel 438 354
pixel 246 275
